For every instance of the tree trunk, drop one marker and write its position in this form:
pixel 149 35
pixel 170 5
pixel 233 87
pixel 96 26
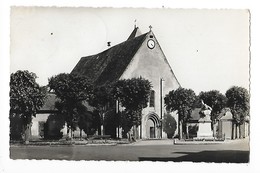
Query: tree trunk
pixel 180 129
pixel 134 132
pixel 27 133
pixel 80 134
pixel 68 132
pixel 102 130
pixel 238 131
pixel 128 136
pixel 187 131
pixel 103 124
pixel 99 130
pixel 214 129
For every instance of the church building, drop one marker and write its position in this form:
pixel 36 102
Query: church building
pixel 139 56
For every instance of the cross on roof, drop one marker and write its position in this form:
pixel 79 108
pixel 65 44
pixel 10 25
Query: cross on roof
pixel 150 27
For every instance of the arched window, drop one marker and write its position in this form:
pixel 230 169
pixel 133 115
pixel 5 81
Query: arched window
pixel 152 98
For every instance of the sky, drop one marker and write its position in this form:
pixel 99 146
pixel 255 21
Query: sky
pixel 207 49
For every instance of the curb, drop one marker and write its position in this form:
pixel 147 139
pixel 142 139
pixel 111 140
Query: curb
pixel 65 144
pixel 177 142
pixel 198 143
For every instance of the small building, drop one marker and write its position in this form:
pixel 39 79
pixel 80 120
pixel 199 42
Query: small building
pixel 49 124
pixel 38 122
pixel 41 127
pixel 225 125
pixel 229 129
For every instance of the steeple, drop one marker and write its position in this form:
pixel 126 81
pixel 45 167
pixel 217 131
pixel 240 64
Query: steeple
pixel 135 33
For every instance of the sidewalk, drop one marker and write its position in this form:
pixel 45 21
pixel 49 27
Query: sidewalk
pixel 182 142
pixel 153 142
pixel 69 142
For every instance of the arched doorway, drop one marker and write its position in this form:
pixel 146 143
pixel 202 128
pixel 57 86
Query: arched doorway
pixel 152 126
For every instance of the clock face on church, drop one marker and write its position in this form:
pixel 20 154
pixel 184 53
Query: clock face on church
pixel 151 44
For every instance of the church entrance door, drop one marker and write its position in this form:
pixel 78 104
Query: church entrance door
pixel 152 132
pixel 152 126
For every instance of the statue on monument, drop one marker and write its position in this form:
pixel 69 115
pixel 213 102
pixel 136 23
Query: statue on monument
pixel 204 130
pixel 205 111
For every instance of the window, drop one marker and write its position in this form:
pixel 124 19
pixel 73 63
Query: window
pixel 152 98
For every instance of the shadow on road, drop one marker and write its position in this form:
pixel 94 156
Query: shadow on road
pixel 218 156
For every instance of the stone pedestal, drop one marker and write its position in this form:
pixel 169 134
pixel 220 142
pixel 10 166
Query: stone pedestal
pixel 204 130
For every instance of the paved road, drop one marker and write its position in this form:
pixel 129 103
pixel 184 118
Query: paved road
pixel 235 151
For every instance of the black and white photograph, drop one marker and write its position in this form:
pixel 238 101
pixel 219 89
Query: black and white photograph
pixel 129 84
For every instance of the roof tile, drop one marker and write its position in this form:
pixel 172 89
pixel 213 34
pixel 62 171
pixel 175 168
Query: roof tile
pixel 109 65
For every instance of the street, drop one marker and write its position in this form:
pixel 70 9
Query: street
pixel 159 150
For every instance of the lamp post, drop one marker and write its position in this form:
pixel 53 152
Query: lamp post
pixel 161 102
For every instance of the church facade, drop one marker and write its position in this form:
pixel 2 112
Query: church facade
pixel 139 56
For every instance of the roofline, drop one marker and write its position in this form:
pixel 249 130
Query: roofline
pixel 83 57
pixel 111 48
pixel 165 59
pixel 135 51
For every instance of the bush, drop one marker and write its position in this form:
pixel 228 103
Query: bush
pixel 169 125
pixel 53 126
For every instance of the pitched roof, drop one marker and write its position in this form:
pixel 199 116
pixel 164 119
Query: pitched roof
pixel 225 114
pixel 49 104
pixel 109 65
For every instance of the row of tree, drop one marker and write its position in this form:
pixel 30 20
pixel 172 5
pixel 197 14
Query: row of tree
pixel 185 100
pixel 73 92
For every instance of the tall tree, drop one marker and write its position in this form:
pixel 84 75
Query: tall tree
pixel 111 120
pixel 238 101
pixel 85 121
pixel 215 100
pixel 125 122
pixel 181 100
pixel 102 100
pixel 133 94
pixel 26 97
pixel 72 90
